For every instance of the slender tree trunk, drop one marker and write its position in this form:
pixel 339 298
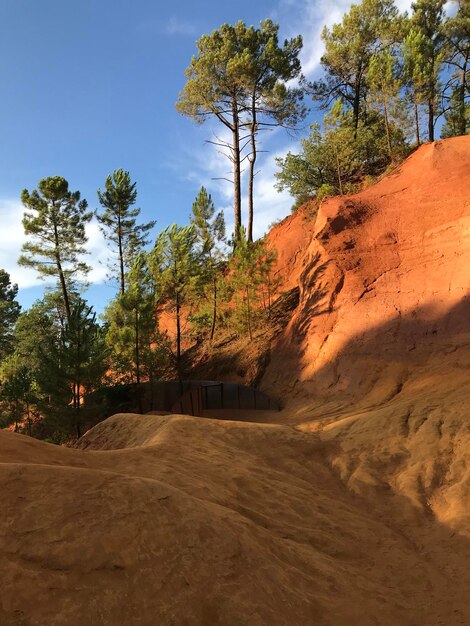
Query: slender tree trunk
pixel 431 119
pixel 121 257
pixel 136 347
pixel 462 118
pixel 357 101
pixel 214 309
pixel 63 284
pixel 418 138
pixel 387 129
pixel 178 336
pixel 137 359
pixel 338 170
pixel 77 408
pixel 237 203
pixel 76 385
pixel 65 293
pixel 151 377
pixel 251 178
pixel 28 417
pixel 248 311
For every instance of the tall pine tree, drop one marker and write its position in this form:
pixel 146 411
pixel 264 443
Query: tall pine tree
pixel 175 265
pixel 9 312
pixel 428 54
pixel 55 224
pixel 209 229
pixel 118 222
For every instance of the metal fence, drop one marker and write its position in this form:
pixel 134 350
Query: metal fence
pixel 211 395
pixel 190 397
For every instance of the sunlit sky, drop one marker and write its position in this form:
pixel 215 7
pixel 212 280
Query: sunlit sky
pixel 91 86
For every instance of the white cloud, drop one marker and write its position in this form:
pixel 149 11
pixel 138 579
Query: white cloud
pixel 12 238
pixel 211 167
pixel 173 26
pixel 269 204
pixel 178 26
pixel 309 18
pixel 99 253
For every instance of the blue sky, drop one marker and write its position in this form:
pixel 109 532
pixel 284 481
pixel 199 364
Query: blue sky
pixel 90 86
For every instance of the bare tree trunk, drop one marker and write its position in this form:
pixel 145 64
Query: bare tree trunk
pixel 357 101
pixel 431 119
pixel 65 293
pixel 63 284
pixel 136 347
pixel 418 138
pixel 121 257
pixel 462 119
pixel 338 170
pixel 17 426
pixel 248 310
pixel 178 337
pixel 214 310
pixel 251 177
pixel 28 417
pixel 237 201
pixel 387 129
pixel 77 408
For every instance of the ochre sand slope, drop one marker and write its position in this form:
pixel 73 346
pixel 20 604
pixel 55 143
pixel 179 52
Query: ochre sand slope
pixel 181 520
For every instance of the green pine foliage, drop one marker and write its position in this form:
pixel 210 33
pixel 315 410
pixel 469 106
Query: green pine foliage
pixel 429 53
pixel 335 160
pixel 370 26
pixel 55 223
pixel 16 394
pixel 175 264
pixel 118 222
pixel 72 366
pixel 457 104
pixel 252 284
pixel 240 76
pixel 138 351
pixel 457 120
pixel 9 312
pixel 209 230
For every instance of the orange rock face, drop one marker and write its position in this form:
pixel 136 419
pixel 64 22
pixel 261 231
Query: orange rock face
pixel 384 279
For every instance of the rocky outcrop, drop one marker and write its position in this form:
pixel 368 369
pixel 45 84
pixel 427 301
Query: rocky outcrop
pixel 384 282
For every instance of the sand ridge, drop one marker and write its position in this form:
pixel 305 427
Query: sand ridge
pixel 199 521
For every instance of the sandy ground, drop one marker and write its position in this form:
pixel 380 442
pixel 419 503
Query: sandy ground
pixel 182 520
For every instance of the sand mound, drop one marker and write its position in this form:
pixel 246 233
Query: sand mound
pixel 206 522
